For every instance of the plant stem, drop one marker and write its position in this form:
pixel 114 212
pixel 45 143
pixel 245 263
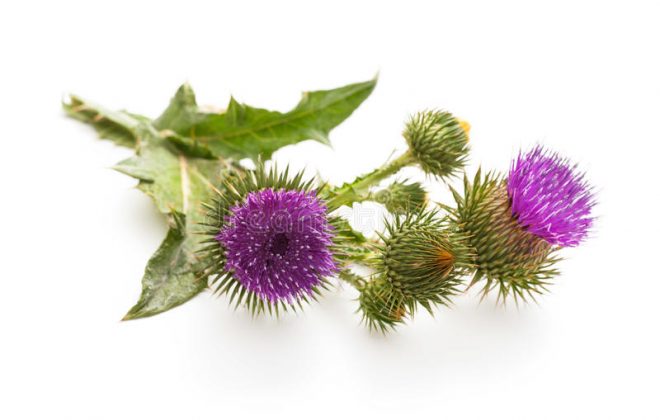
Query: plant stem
pixel 353 279
pixel 359 188
pixel 364 253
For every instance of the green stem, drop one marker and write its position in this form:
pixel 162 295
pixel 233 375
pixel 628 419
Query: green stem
pixel 353 279
pixel 359 189
pixel 364 258
pixel 365 254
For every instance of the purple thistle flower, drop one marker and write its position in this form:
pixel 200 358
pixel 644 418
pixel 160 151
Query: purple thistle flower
pixel 278 244
pixel 549 198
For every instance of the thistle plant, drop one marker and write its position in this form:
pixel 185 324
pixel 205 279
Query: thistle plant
pixel 271 241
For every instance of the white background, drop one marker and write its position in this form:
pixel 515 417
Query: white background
pixel 582 78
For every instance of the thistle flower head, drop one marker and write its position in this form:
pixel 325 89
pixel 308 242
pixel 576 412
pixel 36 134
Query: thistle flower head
pixel 549 198
pixel 508 257
pixel 272 241
pixel 277 243
pixel 438 142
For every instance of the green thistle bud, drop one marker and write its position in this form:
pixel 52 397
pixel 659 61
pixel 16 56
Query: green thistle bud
pixel 382 307
pixel 509 257
pixel 438 142
pixel 402 197
pixel 423 259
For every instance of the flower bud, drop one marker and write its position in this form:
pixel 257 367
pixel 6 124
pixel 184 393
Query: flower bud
pixel 438 142
pixel 381 306
pixel 423 259
pixel 402 197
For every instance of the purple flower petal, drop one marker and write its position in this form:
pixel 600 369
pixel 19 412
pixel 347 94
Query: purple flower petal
pixel 549 198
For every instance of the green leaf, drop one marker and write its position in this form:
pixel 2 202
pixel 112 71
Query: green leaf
pixel 181 113
pixel 178 163
pixel 179 185
pixel 244 131
pixel 117 126
pixel 175 181
pixel 169 279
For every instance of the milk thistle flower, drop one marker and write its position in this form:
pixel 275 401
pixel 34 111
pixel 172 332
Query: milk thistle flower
pixel 273 241
pixel 517 224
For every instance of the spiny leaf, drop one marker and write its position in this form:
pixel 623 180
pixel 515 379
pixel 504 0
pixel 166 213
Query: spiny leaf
pixel 179 185
pixel 182 111
pixel 169 278
pixel 117 126
pixel 175 181
pixel 244 131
